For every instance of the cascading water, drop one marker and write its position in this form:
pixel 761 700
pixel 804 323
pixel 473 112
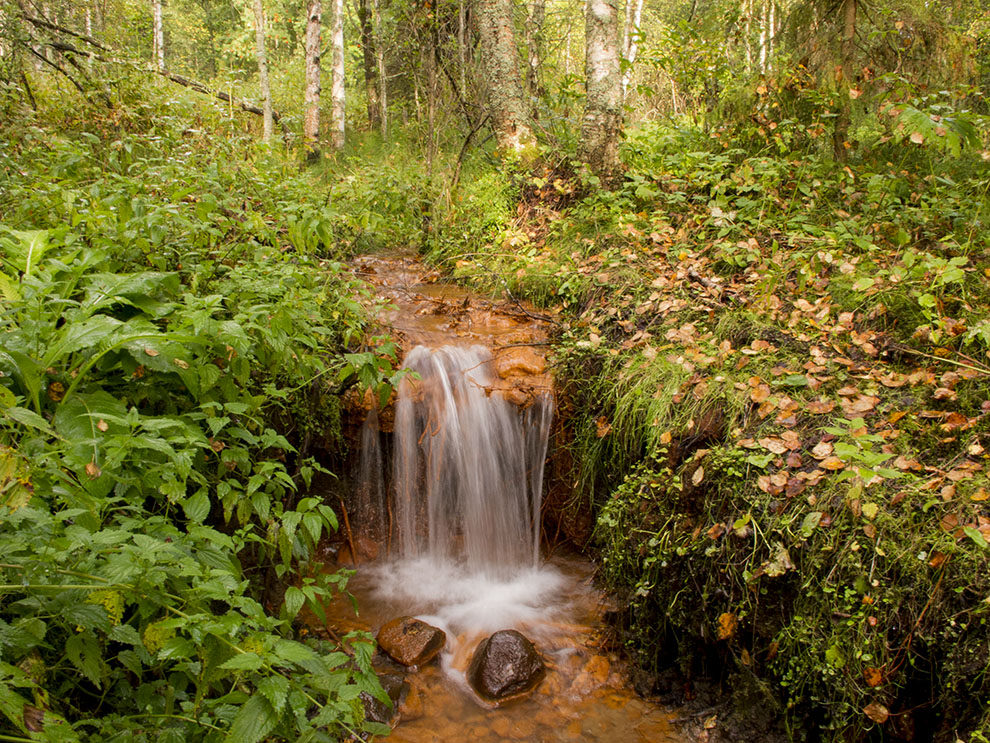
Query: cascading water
pixel 468 464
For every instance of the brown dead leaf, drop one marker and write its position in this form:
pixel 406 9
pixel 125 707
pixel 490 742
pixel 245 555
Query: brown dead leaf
pixel 832 464
pixel 93 470
pixel 874 710
pixel 936 559
pixel 150 351
pixel 217 445
pixel 873 677
pixel 775 445
pixel 102 425
pixel 727 625
pixel 822 450
pixel 894 417
pixel 944 394
pixel 821 407
pixel 698 476
pixel 760 393
pixel 602 427
pixel 980 495
pixel 859 405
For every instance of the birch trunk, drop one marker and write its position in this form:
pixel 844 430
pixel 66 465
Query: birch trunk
pixel 630 45
pixel 159 33
pixel 311 114
pixel 602 123
pixel 506 102
pixel 337 93
pixel 365 17
pixel 266 90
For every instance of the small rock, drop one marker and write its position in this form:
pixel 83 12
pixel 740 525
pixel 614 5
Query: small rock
pixel 376 710
pixel 505 666
pixel 411 641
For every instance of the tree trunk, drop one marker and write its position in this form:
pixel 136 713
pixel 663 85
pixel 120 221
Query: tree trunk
pixel 337 108
pixel 159 33
pixel 266 91
pixel 602 124
pixel 844 117
pixel 311 114
pixel 534 46
pixel 506 101
pixel 370 73
pixel 630 46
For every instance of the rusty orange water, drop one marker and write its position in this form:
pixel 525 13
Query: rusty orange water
pixel 585 695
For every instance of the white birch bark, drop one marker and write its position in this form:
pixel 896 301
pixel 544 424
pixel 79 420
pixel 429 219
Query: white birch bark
pixel 266 90
pixel 630 44
pixel 311 113
pixel 159 33
pixel 599 146
pixel 337 92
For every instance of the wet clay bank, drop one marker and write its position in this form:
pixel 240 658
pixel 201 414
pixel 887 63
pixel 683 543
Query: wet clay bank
pixel 444 529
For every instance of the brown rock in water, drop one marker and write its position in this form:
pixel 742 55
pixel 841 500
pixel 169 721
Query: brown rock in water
pixel 505 666
pixel 410 641
pixel 519 362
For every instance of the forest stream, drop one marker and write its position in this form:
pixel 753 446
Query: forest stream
pixel 444 526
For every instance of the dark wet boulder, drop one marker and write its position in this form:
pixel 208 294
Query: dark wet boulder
pixel 410 641
pixel 376 710
pixel 505 666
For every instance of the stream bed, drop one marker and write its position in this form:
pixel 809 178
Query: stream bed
pixel 445 526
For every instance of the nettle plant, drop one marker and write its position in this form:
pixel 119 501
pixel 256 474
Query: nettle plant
pixel 147 505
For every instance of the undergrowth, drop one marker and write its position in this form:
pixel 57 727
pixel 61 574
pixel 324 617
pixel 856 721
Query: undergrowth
pixel 176 328
pixel 778 371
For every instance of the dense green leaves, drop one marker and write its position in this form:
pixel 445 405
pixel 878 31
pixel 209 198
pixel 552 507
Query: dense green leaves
pixel 154 394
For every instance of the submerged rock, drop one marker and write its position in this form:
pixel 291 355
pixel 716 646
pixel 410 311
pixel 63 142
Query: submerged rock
pixel 505 666
pixel 410 641
pixel 397 688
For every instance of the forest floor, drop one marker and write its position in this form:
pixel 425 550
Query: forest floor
pixel 778 392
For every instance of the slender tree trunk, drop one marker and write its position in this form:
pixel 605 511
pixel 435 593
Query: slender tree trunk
pixel 337 93
pixel 848 49
pixel 311 114
pixel 764 36
pixel 602 123
pixel 506 101
pixel 159 32
pixel 747 10
pixel 462 51
pixel 382 70
pixel 630 45
pixel 365 17
pixel 534 46
pixel 266 90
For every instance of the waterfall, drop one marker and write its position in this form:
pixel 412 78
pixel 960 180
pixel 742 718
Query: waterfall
pixel 468 464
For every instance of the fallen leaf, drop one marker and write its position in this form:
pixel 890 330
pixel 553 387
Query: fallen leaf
pixel 874 710
pixel 698 476
pixel 775 445
pixel 822 450
pixel 917 138
pixel 936 559
pixel 945 394
pixel 602 427
pixel 980 495
pixel 833 464
pixel 102 425
pixel 870 510
pixel 873 677
pixel 93 470
pixel 727 624
pixel 150 351
pixel 760 393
